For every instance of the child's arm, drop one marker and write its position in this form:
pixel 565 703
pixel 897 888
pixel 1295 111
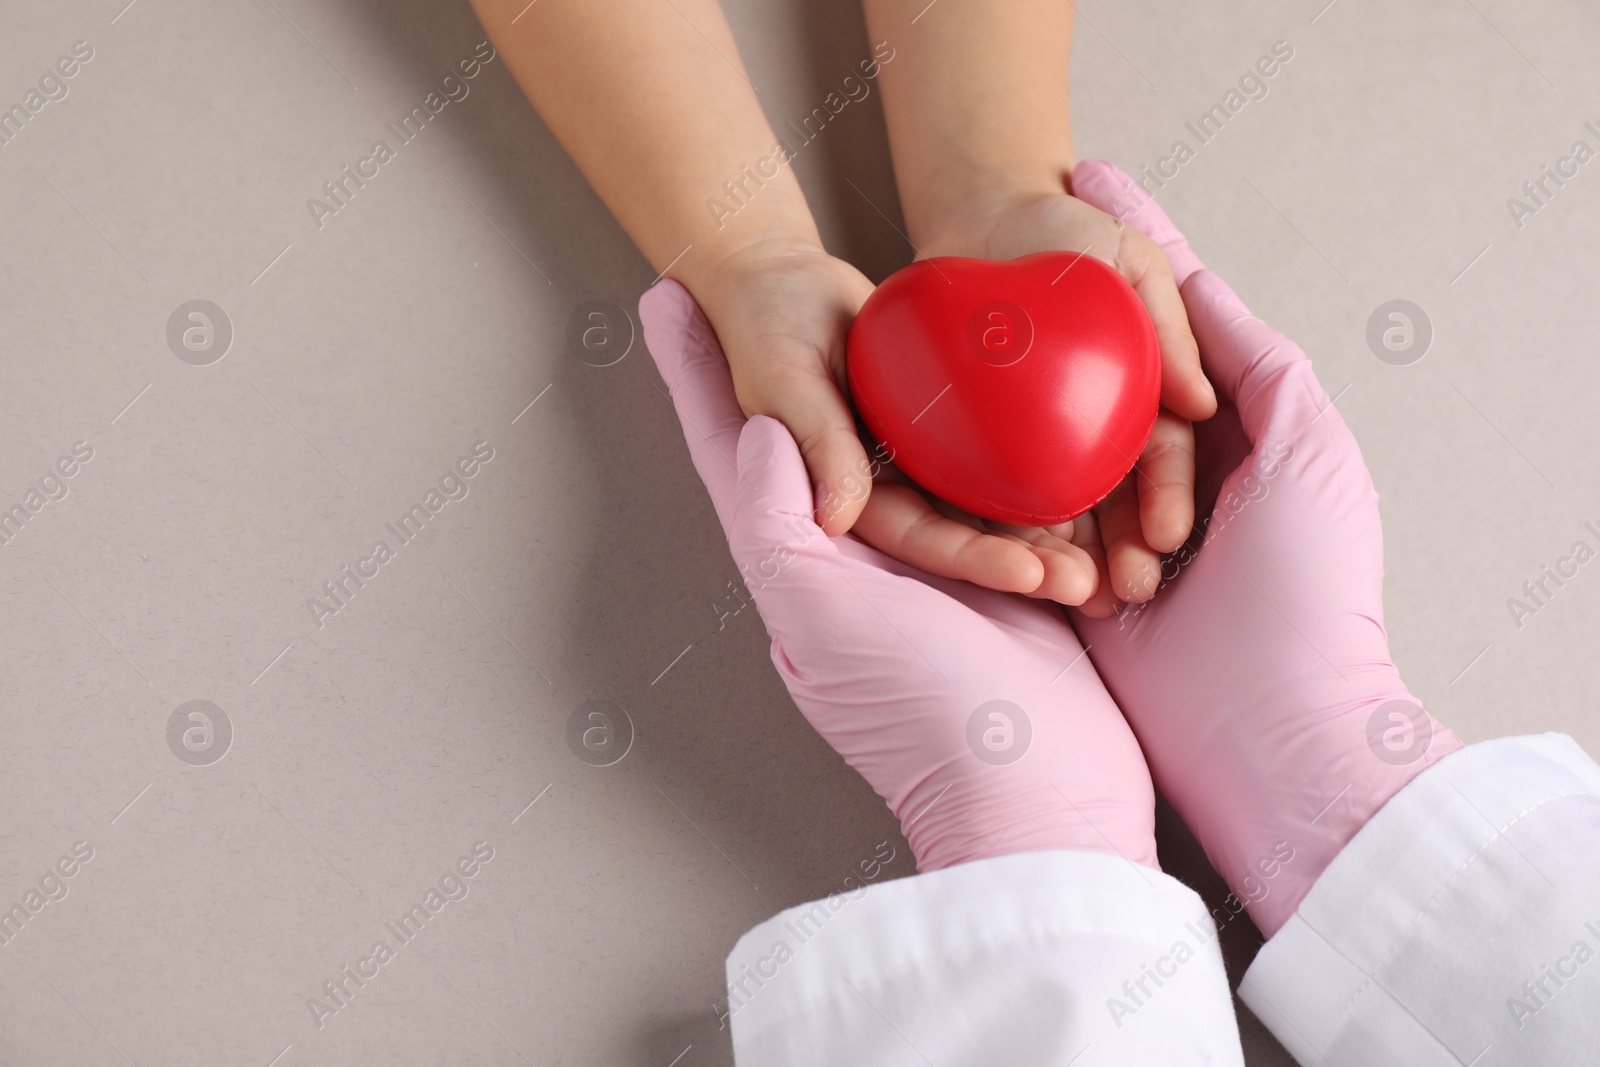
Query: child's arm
pixel 651 101
pixel 976 103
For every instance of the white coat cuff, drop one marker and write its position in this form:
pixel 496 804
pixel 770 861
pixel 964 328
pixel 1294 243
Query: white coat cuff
pixel 1460 925
pixel 1032 958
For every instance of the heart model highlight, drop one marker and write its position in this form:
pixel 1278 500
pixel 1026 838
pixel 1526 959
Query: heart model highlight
pixel 1022 391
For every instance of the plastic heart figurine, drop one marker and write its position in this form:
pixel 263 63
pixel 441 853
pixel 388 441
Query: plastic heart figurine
pixel 1022 391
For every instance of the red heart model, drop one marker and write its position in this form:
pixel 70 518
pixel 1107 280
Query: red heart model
pixel 1022 391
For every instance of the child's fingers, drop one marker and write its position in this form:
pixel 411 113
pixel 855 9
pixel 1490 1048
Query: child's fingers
pixel 1135 568
pixel 1166 484
pixel 899 521
pixel 1071 575
pixel 1086 535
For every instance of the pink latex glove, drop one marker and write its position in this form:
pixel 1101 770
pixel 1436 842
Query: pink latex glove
pixel 1258 678
pixel 892 665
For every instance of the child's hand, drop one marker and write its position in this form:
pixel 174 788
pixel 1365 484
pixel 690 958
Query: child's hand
pixel 782 312
pixel 1152 511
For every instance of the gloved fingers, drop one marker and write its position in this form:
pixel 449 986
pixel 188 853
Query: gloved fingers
pixel 1086 535
pixel 836 619
pixel 1031 619
pixel 1134 567
pixel 690 360
pixel 844 583
pixel 809 593
pixel 1266 375
pixel 819 419
pixel 772 517
pixel 1220 447
pixel 1105 186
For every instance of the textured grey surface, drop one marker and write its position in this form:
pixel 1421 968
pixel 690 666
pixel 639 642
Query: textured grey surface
pixel 371 752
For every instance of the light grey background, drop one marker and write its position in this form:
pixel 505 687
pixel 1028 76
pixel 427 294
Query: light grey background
pixel 368 355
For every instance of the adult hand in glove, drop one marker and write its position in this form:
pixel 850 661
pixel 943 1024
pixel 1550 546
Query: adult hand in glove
pixel 1258 678
pixel 973 713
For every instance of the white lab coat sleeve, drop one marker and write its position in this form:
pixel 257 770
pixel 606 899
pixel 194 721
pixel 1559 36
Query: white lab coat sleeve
pixel 1461 925
pixel 1040 958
